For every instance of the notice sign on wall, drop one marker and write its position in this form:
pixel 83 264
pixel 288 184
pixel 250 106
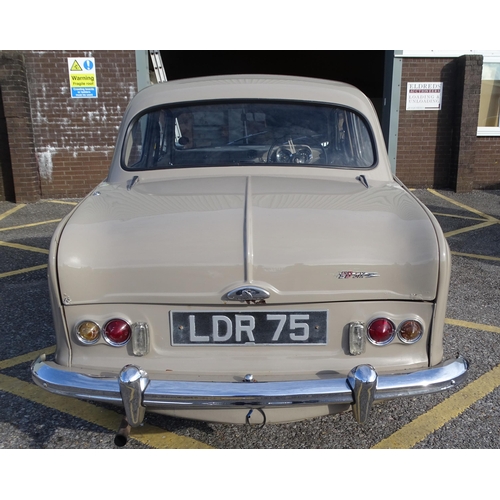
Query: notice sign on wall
pixel 82 80
pixel 425 95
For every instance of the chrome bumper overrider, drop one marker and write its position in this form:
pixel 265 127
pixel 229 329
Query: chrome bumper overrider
pixel 133 389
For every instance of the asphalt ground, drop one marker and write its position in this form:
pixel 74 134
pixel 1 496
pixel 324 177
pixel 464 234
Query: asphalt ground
pixel 464 418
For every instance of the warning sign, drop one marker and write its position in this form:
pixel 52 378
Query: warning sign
pixel 75 66
pixel 82 77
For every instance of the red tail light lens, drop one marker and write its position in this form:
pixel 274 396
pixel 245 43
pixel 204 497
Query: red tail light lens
pixel 117 332
pixel 381 331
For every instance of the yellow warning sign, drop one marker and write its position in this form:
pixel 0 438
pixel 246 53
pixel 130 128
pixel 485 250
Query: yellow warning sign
pixel 75 66
pixel 85 80
pixel 82 77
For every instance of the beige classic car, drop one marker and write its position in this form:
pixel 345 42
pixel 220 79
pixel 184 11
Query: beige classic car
pixel 250 258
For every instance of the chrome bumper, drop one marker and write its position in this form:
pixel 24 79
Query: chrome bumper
pixel 133 389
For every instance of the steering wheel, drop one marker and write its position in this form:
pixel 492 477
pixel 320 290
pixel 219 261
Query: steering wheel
pixel 286 151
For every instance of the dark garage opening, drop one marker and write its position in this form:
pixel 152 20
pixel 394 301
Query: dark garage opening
pixel 362 68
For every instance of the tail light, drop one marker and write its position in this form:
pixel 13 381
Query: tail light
pixel 117 332
pixel 381 331
pixel 88 332
pixel 410 331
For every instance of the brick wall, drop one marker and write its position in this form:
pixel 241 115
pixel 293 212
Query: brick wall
pixel 487 163
pixel 440 149
pixel 17 129
pixel 74 138
pixel 62 146
pixel 425 138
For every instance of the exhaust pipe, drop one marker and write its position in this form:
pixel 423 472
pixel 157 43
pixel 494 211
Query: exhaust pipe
pixel 122 434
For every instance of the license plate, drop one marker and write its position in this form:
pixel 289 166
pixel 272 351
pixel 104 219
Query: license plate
pixel 248 328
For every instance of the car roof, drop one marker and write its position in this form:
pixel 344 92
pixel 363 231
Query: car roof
pixel 251 87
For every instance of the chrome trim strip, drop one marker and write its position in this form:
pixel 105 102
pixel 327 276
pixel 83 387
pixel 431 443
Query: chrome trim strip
pixel 163 394
pixel 248 233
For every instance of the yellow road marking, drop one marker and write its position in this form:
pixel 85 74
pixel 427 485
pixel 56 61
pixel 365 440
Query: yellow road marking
pixel 30 356
pixel 469 228
pixel 424 425
pixel 465 207
pixel 11 211
pixel 147 434
pixel 429 422
pixel 24 247
pixel 457 216
pixel 474 326
pixel 475 256
pixel 30 225
pixel 61 201
pixel 22 271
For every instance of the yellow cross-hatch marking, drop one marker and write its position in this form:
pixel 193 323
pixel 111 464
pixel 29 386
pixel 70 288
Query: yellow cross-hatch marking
pixel 148 434
pixel 474 326
pixel 475 256
pixel 424 425
pixel 18 246
pixel 441 214
pixel 61 201
pixel 30 356
pixel 488 220
pixel 11 228
pixel 429 422
pixel 469 228
pixel 11 211
pixel 465 207
pixel 22 271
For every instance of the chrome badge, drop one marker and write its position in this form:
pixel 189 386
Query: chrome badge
pixel 343 275
pixel 248 293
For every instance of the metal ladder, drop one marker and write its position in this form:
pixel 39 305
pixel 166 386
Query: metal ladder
pixel 157 61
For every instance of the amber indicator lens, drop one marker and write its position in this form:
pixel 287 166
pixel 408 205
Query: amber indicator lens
pixel 410 331
pixel 381 331
pixel 117 332
pixel 88 331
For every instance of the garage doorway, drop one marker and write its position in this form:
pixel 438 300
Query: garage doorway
pixel 362 68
